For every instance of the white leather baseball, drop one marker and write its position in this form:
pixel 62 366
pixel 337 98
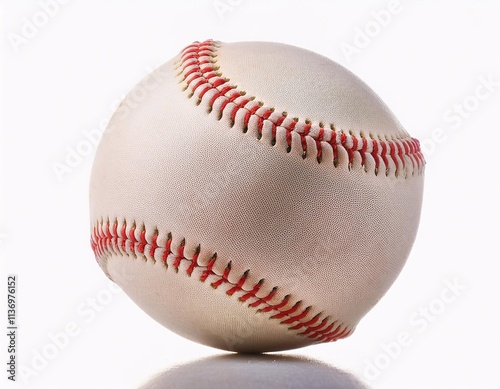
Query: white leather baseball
pixel 254 196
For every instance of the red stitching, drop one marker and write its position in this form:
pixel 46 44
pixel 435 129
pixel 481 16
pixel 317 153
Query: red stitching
pixel 194 262
pixel 198 70
pixel 143 242
pixel 363 151
pixel 333 143
pixel 312 329
pixel 298 317
pixel 179 256
pixel 306 324
pixel 124 237
pixel 239 285
pixel 383 154
pixel 106 242
pixel 375 155
pixel 154 245
pixel 253 292
pixel 392 152
pixel 321 133
pixel 288 312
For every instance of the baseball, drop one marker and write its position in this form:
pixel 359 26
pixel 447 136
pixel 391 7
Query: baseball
pixel 254 196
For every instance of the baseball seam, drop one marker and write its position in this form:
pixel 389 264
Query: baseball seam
pixel 202 78
pixel 128 240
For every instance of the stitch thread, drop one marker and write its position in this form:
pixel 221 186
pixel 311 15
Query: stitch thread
pixel 106 241
pixel 201 75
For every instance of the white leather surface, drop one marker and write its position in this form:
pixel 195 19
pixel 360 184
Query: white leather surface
pixel 340 97
pixel 330 237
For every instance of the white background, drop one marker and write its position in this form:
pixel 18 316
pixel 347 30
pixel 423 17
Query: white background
pixel 65 77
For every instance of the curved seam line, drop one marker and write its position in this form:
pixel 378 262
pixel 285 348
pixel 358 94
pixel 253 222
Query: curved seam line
pixel 197 73
pixel 106 241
